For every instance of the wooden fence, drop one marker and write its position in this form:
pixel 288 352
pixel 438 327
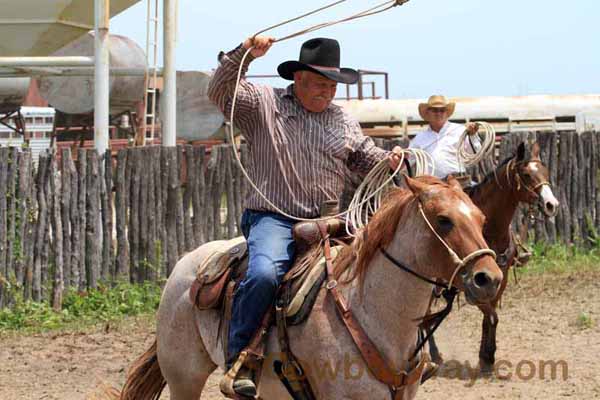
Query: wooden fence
pixel 74 223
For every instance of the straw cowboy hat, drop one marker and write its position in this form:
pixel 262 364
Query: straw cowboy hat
pixel 436 101
pixel 322 56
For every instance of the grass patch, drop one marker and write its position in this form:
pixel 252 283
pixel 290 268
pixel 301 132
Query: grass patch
pixel 96 306
pixel 584 321
pixel 559 258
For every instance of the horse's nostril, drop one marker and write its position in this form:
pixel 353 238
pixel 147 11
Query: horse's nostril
pixel 481 279
pixel 550 209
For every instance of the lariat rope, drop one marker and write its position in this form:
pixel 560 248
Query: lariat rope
pixel 488 141
pixel 377 183
pixel 373 185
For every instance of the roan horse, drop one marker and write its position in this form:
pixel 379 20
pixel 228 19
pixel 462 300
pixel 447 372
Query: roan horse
pixel 520 178
pixel 414 227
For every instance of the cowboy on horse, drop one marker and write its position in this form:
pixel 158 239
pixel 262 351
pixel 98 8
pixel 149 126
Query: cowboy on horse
pixel 300 145
pixel 441 139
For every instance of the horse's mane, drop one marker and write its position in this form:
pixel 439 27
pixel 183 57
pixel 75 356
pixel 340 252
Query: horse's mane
pixel 473 190
pixel 379 232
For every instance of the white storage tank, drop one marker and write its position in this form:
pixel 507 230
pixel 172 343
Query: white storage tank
pixel 197 117
pixel 13 91
pixel 75 94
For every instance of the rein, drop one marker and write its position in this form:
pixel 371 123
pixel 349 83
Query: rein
pixel 449 292
pixel 376 362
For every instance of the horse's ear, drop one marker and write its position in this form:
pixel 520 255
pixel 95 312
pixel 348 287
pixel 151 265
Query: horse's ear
pixel 535 151
pixel 415 186
pixel 521 151
pixel 453 182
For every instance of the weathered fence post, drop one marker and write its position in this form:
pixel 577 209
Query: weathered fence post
pixel 81 206
pixel 75 226
pixel 134 166
pixel 199 196
pixel 11 209
pixel 143 172
pixel 4 160
pixel 180 225
pixel 173 199
pixel 93 255
pixel 57 232
pixel 159 244
pixel 229 184
pixel 106 186
pixel 23 209
pixel 211 183
pixel 65 214
pixel 121 195
pixel 187 197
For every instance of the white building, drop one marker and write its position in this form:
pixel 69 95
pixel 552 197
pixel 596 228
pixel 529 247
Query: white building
pixel 39 123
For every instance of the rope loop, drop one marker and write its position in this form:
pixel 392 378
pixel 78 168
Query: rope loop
pixel 474 157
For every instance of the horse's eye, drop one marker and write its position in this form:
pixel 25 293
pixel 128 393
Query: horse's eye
pixel 444 223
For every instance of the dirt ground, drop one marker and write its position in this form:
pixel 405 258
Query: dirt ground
pixel 542 319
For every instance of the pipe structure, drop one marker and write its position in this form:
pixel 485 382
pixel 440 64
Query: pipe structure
pixel 70 61
pixel 169 98
pixel 71 71
pixel 101 76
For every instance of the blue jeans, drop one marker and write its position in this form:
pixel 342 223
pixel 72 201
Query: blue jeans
pixel 271 251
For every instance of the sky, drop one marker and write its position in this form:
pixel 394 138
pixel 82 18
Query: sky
pixel 457 48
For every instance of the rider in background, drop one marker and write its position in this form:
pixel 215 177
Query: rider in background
pixel 441 138
pixel 300 145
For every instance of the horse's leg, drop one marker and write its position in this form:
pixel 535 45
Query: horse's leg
pixel 182 354
pixel 487 349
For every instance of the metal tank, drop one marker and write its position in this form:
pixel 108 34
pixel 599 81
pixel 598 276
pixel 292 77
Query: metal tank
pixel 13 91
pixel 40 27
pixel 197 117
pixel 75 94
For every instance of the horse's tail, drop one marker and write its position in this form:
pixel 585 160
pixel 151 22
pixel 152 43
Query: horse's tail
pixel 144 380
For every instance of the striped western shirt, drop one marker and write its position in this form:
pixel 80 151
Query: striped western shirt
pixel 297 158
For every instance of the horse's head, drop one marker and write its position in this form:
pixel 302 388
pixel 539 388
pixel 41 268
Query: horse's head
pixel 530 179
pixel 448 239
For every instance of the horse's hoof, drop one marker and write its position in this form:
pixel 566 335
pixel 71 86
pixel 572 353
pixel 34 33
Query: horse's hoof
pixel 438 359
pixel 486 370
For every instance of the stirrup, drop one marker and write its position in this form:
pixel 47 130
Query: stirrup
pixel 227 382
pixel 246 368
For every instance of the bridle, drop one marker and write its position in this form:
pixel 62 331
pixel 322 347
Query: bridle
pixel 512 166
pixel 458 262
pixel 449 291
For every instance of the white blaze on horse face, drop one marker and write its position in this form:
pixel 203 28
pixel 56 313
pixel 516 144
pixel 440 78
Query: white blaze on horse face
pixel 465 209
pixel 532 167
pixel 548 200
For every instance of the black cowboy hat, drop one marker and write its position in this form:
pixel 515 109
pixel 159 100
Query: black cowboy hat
pixel 322 56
